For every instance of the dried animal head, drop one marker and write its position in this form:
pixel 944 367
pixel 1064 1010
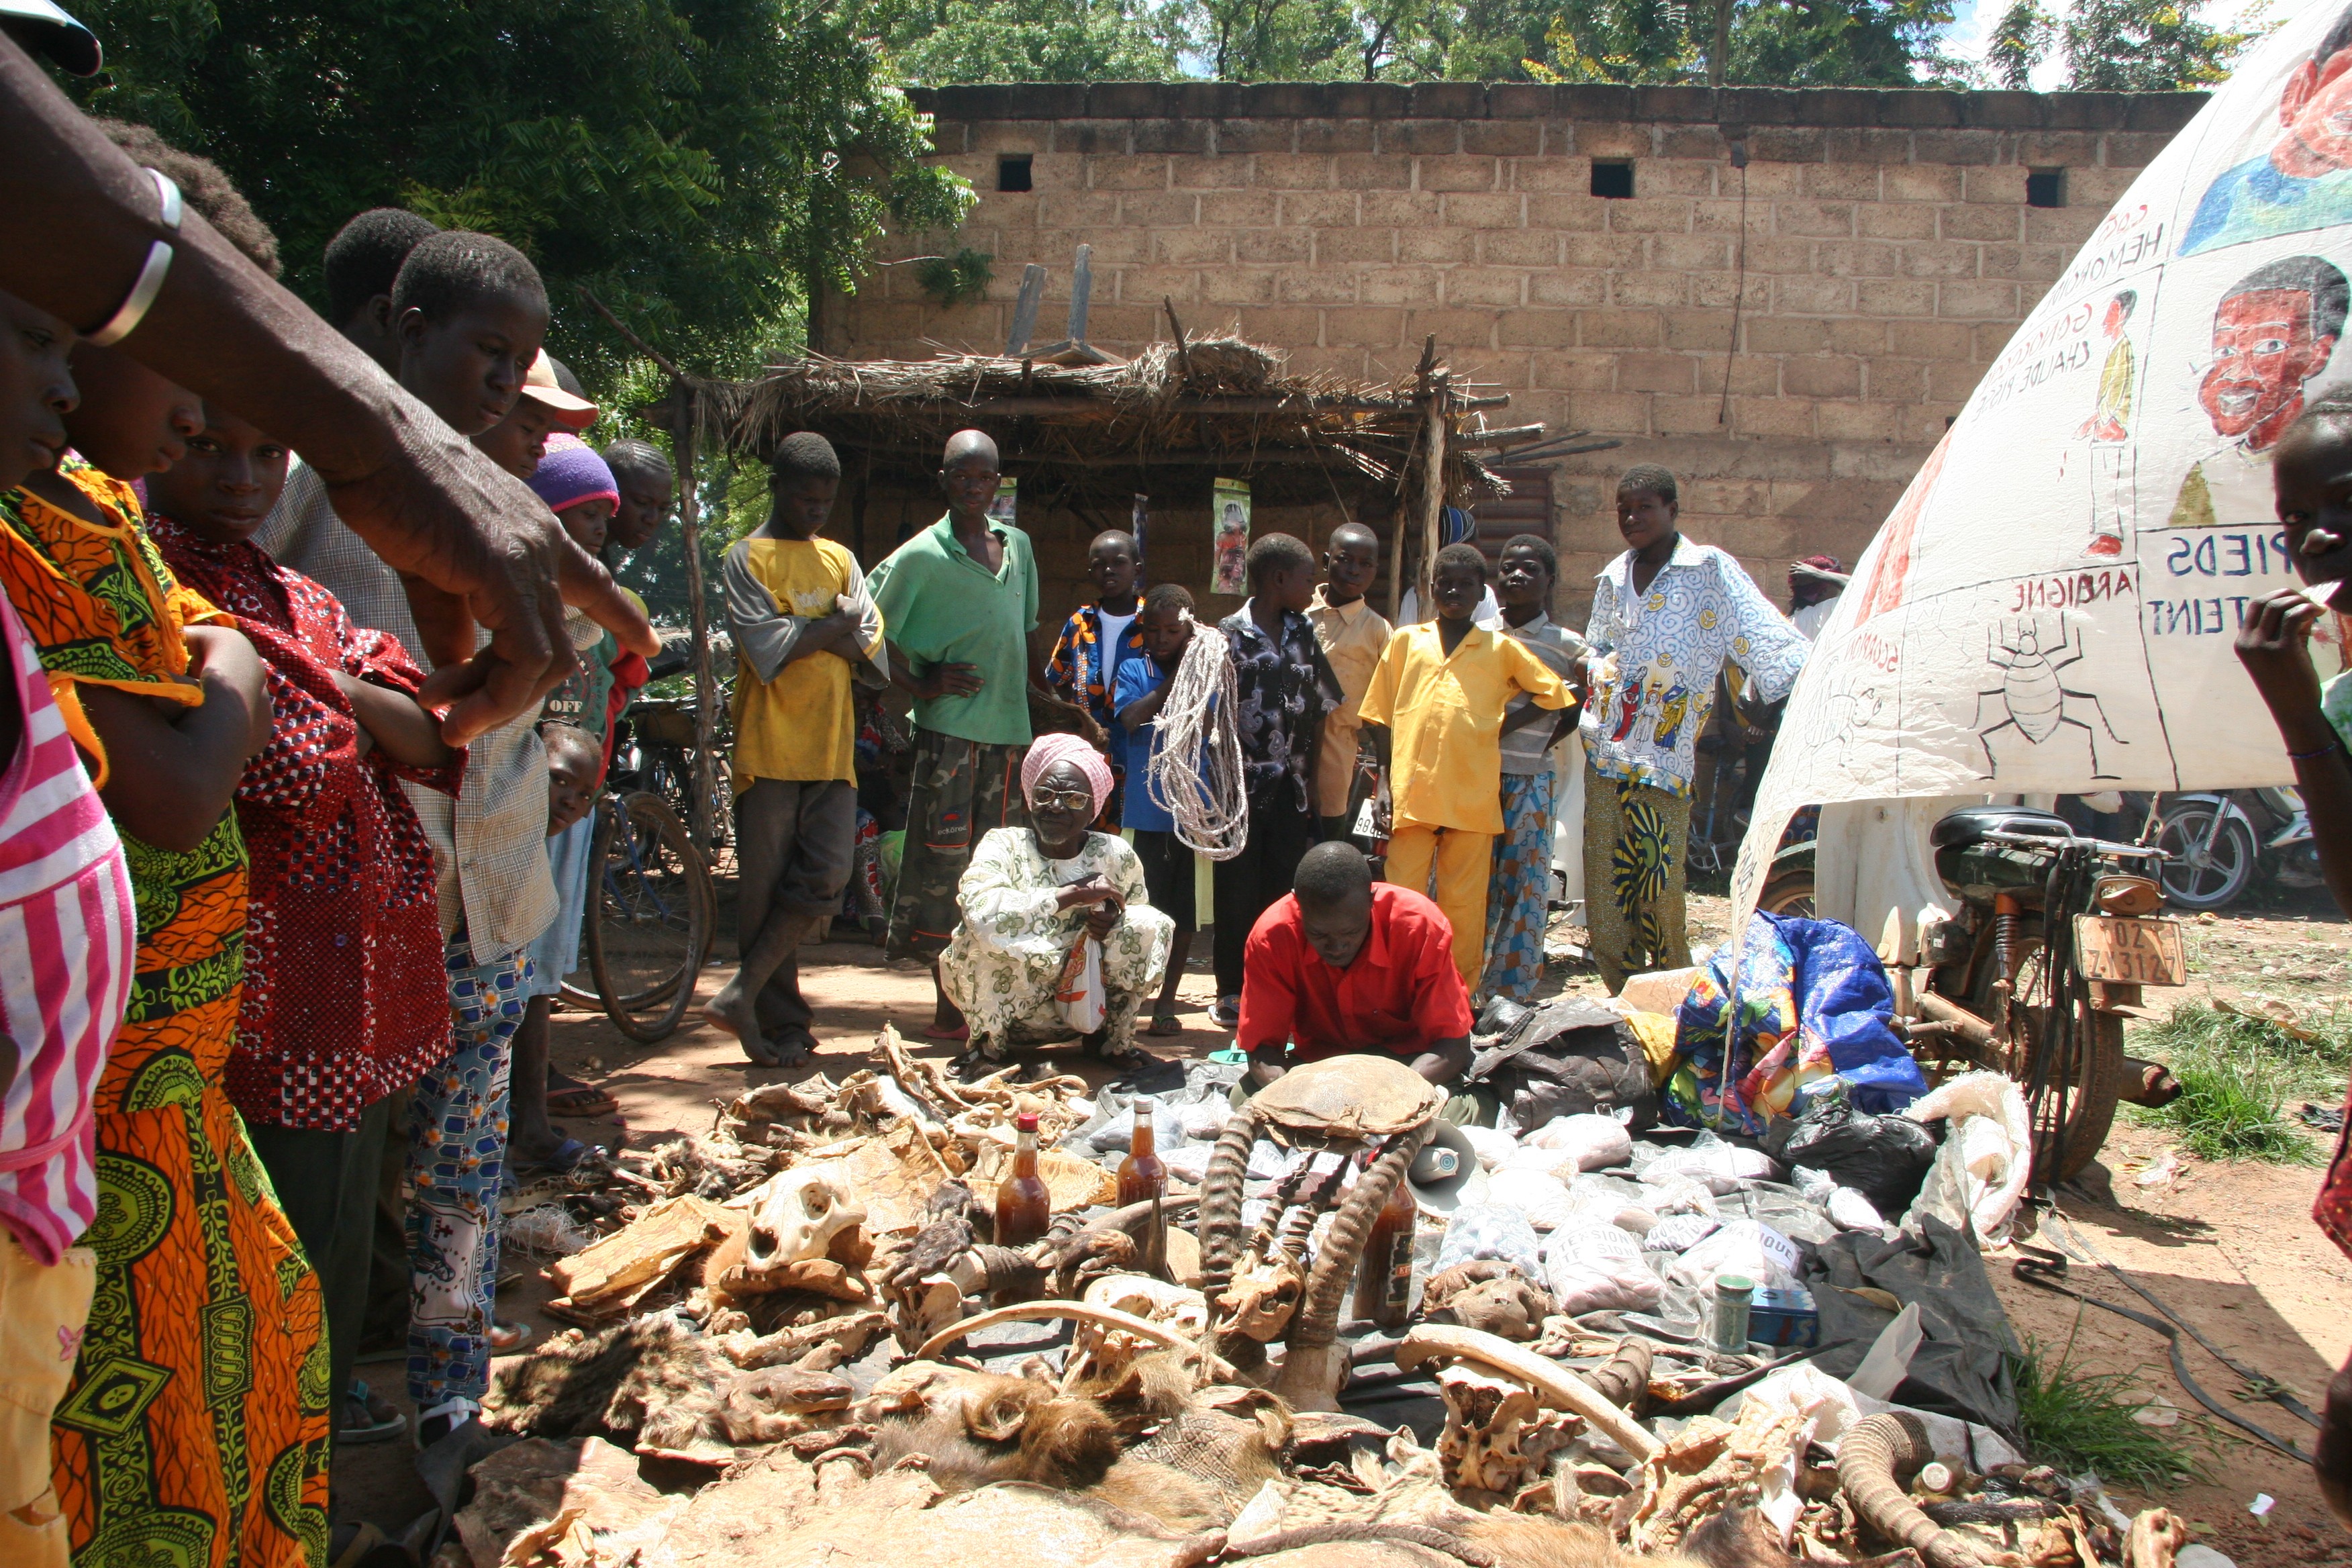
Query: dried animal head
pixel 796 1214
pixel 1488 1295
pixel 1100 1353
pixel 975 1428
pixel 1498 1438
pixel 1261 1300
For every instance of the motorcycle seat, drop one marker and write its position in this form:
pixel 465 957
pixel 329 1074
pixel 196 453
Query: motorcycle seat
pixel 1970 824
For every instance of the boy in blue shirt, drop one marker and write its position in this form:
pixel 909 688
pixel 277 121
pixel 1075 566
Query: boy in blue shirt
pixel 1139 691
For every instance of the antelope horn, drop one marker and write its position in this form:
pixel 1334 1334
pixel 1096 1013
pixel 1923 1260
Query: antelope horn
pixel 1554 1385
pixel 1076 1311
pixel 1335 1266
pixel 1221 1204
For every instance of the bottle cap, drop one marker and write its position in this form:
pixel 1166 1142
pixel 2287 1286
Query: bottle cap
pixel 1142 1107
pixel 1025 1121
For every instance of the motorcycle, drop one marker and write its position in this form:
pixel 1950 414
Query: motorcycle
pixel 2215 844
pixel 2054 936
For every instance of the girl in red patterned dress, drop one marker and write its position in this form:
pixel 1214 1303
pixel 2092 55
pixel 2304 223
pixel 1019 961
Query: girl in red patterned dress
pixel 345 995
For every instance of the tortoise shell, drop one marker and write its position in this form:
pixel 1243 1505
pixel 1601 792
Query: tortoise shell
pixel 1350 1097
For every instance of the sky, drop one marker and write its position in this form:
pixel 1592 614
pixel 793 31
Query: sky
pixel 1974 20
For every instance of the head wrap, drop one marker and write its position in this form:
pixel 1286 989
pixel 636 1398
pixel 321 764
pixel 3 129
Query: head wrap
pixel 571 474
pixel 1829 564
pixel 1046 751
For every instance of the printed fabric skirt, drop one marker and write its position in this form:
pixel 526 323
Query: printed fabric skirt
pixel 1519 893
pixel 962 789
pixel 1636 849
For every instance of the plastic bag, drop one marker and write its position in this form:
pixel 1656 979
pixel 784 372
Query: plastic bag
pixel 1745 1247
pixel 1492 1147
pixel 1884 1158
pixel 1596 1141
pixel 1479 1231
pixel 1981 1174
pixel 1543 1199
pixel 1599 1269
pixel 1719 1167
pixel 1078 998
pixel 1679 1233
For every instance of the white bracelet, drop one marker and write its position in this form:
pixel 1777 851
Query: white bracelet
pixel 150 282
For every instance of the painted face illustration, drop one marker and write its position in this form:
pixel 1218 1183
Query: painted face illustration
pixel 2316 110
pixel 2263 351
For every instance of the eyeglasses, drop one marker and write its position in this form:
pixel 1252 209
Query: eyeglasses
pixel 1062 800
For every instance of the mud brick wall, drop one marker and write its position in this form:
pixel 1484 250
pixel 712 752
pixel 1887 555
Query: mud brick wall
pixel 1790 338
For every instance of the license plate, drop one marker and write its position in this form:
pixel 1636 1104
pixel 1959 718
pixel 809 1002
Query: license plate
pixel 2117 948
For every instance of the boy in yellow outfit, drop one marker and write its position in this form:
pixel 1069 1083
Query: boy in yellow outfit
pixel 805 629
pixel 1436 713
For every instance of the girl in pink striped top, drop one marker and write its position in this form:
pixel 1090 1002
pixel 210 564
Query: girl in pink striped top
pixel 68 939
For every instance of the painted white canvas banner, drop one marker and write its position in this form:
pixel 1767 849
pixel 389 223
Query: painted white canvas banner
pixel 2052 604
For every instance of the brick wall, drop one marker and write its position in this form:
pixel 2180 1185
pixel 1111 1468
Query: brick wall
pixel 1889 251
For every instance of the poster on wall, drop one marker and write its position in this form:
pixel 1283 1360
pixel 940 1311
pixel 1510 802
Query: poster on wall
pixel 1230 549
pixel 1004 508
pixel 2051 603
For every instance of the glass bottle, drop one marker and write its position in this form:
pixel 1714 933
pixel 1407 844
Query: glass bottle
pixel 1023 1209
pixel 1385 1278
pixel 1142 1176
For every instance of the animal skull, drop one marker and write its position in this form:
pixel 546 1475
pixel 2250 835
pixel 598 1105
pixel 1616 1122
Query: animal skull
pixel 1258 1304
pixel 796 1214
pixel 1497 1438
pixel 1101 1352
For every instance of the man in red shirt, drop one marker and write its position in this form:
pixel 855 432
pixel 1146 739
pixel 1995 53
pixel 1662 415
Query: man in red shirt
pixel 1345 965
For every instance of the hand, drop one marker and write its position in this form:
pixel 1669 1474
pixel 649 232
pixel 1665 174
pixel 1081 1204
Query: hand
pixel 951 680
pixel 2274 645
pixel 1265 1065
pixel 837 633
pixel 1103 920
pixel 231 672
pixel 1093 890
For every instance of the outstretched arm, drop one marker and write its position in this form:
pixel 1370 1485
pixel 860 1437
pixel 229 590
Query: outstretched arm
pixel 2274 646
pixel 77 217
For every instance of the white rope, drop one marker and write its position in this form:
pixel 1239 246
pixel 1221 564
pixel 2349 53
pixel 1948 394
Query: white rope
pixel 1196 732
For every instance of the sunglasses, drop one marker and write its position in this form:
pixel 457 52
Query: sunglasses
pixel 1063 800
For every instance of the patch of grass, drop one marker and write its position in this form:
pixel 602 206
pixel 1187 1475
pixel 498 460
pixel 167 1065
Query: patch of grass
pixel 2239 1076
pixel 2082 1421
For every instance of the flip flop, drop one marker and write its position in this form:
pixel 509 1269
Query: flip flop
pixel 1227 1013
pixel 1165 1024
pixel 581 1100
pixel 1134 1058
pixel 563 1162
pixel 506 1338
pixel 367 1419
pixel 961 1032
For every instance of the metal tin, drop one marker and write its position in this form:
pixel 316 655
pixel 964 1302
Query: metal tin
pixel 1733 1293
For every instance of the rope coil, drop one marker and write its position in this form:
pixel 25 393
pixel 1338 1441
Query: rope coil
pixel 1196 768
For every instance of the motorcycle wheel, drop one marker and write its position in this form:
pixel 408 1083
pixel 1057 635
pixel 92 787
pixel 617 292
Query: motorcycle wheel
pixel 1788 893
pixel 2211 883
pixel 2078 1104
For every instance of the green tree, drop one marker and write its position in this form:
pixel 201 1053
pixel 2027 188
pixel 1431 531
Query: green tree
pixel 701 165
pixel 1033 40
pixel 2117 46
pixel 1783 43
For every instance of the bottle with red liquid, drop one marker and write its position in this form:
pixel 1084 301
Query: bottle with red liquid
pixel 1023 1209
pixel 1142 1176
pixel 1385 1278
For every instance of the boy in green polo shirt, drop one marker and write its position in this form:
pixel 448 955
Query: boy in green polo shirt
pixel 958 601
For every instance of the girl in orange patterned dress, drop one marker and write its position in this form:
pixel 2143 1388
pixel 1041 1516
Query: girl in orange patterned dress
pixel 195 1430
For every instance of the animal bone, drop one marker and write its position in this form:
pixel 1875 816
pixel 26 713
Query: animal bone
pixel 1560 1389
pixel 1260 1301
pixel 1498 1438
pixel 1099 1353
pixel 796 1214
pixel 1077 1312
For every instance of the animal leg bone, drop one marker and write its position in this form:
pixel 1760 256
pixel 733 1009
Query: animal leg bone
pixel 1559 1387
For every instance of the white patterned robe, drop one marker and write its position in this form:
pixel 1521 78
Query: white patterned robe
pixel 1005 958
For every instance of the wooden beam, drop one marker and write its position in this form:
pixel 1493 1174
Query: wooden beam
pixel 683 416
pixel 1025 310
pixel 1483 440
pixel 1433 495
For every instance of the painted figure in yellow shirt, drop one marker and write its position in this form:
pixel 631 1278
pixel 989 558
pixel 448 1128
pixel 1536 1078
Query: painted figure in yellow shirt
pixel 1353 636
pixel 807 632
pixel 1435 711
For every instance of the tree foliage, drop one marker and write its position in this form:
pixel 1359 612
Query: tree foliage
pixel 2116 45
pixel 699 164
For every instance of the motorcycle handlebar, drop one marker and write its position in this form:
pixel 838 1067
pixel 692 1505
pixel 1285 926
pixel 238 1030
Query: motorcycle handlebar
pixel 2042 841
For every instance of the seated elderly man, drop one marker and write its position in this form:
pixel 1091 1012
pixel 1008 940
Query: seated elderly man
pixel 1344 965
pixel 1030 897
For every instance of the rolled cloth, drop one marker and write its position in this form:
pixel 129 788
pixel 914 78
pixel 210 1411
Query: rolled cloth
pixel 1048 750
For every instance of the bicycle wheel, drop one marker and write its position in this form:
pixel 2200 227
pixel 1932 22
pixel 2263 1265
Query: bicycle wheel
pixel 655 916
pixel 2080 1077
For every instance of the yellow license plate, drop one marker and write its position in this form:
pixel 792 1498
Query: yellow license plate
pixel 2134 952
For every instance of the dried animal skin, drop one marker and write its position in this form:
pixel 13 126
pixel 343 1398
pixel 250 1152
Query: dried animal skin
pixel 610 1276
pixel 1262 1300
pixel 1498 1438
pixel 1710 1467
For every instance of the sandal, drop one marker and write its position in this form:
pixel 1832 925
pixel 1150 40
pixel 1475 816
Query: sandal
pixel 568 1157
pixel 506 1338
pixel 367 1418
pixel 1165 1024
pixel 971 1066
pixel 1134 1058
pixel 581 1100
pixel 961 1032
pixel 1227 1013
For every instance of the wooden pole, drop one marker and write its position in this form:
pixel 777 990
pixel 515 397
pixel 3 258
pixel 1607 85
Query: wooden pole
pixel 683 413
pixel 1396 544
pixel 1433 495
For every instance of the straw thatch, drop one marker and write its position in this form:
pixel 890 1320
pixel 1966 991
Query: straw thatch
pixel 1218 405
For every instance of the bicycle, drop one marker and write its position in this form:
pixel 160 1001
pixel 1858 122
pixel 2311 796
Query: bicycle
pixel 651 919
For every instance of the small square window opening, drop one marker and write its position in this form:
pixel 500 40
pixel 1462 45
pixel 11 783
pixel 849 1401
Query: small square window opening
pixel 1013 173
pixel 1612 180
pixel 2046 188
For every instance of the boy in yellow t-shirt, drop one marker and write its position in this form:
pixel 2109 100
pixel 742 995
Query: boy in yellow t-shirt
pixel 804 631
pixel 1435 711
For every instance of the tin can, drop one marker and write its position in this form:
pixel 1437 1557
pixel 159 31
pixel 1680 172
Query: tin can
pixel 1733 1294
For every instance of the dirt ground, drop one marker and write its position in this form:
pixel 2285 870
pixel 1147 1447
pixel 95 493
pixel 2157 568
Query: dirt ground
pixel 2229 1246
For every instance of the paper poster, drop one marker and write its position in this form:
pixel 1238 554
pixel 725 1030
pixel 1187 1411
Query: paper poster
pixel 1004 508
pixel 2052 604
pixel 1142 517
pixel 1231 547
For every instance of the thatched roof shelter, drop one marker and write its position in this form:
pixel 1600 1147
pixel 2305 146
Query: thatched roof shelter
pixel 1081 432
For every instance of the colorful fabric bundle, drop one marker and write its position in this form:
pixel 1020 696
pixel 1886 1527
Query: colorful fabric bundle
pixel 1809 1007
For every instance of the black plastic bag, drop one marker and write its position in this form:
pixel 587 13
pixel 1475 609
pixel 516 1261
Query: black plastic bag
pixel 1965 1366
pixel 1567 1057
pixel 1884 1158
